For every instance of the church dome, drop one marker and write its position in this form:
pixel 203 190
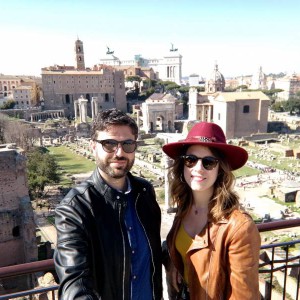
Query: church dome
pixel 216 75
pixel 215 82
pixel 259 80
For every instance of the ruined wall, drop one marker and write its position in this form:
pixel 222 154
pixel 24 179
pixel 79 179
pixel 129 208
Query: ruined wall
pixel 17 227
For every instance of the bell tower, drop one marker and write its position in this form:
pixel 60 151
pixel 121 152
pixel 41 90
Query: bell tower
pixel 79 55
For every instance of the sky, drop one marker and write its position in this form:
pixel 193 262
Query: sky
pixel 238 35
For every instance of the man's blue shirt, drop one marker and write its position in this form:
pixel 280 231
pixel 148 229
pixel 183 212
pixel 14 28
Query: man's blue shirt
pixel 141 287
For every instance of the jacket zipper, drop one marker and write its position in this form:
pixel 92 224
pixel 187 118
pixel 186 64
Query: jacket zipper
pixel 124 254
pixel 153 293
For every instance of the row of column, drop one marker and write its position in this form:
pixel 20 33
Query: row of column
pixel 80 106
pixel 35 117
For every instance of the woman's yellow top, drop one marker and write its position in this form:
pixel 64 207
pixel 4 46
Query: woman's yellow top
pixel 182 243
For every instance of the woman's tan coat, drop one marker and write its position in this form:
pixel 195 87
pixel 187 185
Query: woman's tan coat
pixel 222 260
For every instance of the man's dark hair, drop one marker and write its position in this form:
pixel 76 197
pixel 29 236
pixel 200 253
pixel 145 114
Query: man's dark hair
pixel 109 117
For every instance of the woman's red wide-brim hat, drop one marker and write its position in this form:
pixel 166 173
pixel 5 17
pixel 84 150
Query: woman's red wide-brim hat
pixel 209 135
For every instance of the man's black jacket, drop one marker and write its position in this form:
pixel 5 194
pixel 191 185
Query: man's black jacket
pixel 92 258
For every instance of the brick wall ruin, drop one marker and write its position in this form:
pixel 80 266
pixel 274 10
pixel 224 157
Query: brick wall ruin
pixel 17 227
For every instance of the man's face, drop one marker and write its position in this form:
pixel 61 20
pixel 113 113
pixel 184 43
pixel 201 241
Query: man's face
pixel 117 164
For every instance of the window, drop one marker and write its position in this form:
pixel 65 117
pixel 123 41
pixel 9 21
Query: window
pixel 246 109
pixel 67 99
pixel 16 231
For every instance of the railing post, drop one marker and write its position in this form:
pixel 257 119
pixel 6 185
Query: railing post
pixel 268 290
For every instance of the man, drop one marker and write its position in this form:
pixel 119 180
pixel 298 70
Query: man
pixel 108 228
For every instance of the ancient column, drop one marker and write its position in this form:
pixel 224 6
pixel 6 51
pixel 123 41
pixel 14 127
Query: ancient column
pixel 83 109
pixel 75 108
pixel 94 107
pixel 138 123
pixel 167 163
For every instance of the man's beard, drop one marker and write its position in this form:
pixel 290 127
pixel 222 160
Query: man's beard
pixel 105 166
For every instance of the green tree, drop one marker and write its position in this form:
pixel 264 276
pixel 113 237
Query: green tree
pixel 133 78
pixel 8 104
pixel 146 94
pixel 148 83
pixel 3 125
pixel 172 86
pixel 42 170
pixel 165 83
pixel 273 94
pixel 292 105
pixel 184 89
pixel 277 107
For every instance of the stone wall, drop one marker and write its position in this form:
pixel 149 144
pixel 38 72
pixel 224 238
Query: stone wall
pixel 17 227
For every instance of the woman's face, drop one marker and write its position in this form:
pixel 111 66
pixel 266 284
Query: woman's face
pixel 197 177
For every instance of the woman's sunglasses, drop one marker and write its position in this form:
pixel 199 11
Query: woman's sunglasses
pixel 111 146
pixel 208 162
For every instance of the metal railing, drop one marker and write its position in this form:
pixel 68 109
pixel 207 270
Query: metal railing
pixel 279 268
pixel 275 282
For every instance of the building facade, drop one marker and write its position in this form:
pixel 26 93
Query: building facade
pixel 168 68
pixel 24 97
pixel 63 85
pixel 238 113
pixel 290 84
pixel 7 84
pixel 159 112
pixel 241 113
pixel 23 90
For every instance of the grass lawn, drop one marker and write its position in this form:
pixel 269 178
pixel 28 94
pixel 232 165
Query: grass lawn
pixel 246 171
pixel 280 162
pixel 70 163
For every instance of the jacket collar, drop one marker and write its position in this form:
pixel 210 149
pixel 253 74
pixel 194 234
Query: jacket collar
pixel 110 194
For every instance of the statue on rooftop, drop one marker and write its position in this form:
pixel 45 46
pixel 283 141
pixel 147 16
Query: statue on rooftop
pixel 109 51
pixel 173 49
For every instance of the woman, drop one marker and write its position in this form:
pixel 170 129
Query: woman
pixel 213 245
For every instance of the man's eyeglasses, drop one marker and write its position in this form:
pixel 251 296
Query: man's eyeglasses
pixel 111 146
pixel 208 162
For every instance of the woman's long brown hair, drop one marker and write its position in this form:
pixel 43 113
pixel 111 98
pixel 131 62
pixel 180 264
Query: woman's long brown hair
pixel 224 199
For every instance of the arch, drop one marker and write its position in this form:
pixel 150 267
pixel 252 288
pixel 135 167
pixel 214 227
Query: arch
pixel 159 125
pixel 88 97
